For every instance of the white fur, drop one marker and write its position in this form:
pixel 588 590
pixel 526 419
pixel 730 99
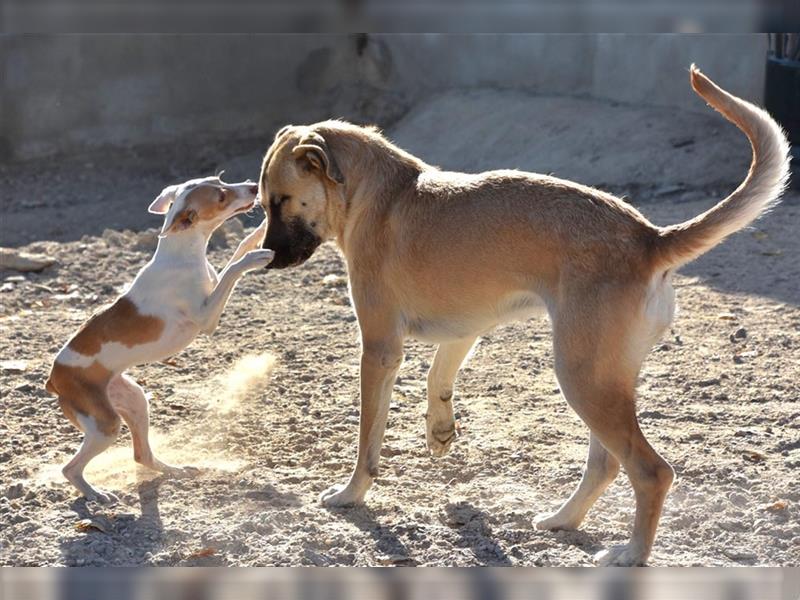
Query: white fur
pixel 181 289
pixel 68 357
pixel 517 306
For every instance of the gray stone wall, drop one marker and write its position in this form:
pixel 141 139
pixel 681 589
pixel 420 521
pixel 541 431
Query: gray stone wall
pixel 68 93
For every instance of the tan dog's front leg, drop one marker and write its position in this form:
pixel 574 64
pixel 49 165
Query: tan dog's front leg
pixel 440 430
pixel 380 362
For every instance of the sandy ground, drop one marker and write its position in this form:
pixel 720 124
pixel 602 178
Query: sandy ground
pixel 268 409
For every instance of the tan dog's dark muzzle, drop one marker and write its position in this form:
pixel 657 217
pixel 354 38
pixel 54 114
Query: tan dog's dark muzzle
pixel 292 242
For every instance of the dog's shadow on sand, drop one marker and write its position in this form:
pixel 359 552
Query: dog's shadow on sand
pixel 387 542
pixel 112 536
pixel 468 522
pixel 472 525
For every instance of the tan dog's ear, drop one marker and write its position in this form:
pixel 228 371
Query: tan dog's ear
pixel 179 222
pixel 313 149
pixel 282 131
pixel 160 205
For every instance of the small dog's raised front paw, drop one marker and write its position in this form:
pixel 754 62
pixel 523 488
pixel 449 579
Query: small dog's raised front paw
pixel 256 259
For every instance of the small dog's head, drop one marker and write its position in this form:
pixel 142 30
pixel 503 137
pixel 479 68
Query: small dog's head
pixel 299 188
pixel 202 205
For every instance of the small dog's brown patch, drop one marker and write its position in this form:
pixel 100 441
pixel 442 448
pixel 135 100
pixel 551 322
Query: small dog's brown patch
pixel 121 322
pixel 83 390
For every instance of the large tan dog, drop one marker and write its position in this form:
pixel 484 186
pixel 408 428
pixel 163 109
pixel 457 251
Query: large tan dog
pixel 445 257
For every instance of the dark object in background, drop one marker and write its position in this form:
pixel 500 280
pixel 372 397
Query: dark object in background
pixel 782 93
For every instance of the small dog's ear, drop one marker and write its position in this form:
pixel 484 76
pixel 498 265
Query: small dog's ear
pixel 179 222
pixel 160 205
pixel 314 151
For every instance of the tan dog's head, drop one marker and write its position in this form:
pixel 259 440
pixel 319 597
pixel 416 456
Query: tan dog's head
pixel 300 188
pixel 202 205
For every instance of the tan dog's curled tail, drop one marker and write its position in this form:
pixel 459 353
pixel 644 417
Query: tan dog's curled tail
pixel 760 191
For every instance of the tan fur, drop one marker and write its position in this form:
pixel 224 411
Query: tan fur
pixel 121 322
pixel 445 257
pixel 768 176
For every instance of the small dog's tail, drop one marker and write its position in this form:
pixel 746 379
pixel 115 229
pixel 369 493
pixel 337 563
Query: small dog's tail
pixel 760 191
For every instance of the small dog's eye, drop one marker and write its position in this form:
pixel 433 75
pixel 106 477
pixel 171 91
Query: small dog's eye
pixel 221 196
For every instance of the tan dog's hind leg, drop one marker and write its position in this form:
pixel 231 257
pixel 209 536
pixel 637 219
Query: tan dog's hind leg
pixel 600 342
pixel 601 470
pixel 130 401
pixel 439 420
pixel 380 361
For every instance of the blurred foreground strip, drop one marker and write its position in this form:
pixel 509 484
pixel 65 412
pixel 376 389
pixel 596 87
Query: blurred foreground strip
pixel 400 584
pixel 387 16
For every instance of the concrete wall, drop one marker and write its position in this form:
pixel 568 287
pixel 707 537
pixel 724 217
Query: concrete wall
pixel 648 69
pixel 67 93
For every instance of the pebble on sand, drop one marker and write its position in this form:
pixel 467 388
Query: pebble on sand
pixel 13 366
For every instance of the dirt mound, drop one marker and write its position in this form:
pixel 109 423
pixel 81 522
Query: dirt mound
pixel 590 141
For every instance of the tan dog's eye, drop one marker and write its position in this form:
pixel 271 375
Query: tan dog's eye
pixel 221 196
pixel 278 200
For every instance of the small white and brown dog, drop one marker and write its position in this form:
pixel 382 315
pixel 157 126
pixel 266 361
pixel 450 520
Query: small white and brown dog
pixel 175 296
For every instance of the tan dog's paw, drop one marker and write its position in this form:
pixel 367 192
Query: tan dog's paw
pixel 555 522
pixel 621 556
pixel 439 436
pixel 339 496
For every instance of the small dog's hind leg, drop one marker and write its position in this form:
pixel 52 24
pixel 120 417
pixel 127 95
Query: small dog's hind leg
pixel 129 399
pixel 440 423
pixel 99 434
